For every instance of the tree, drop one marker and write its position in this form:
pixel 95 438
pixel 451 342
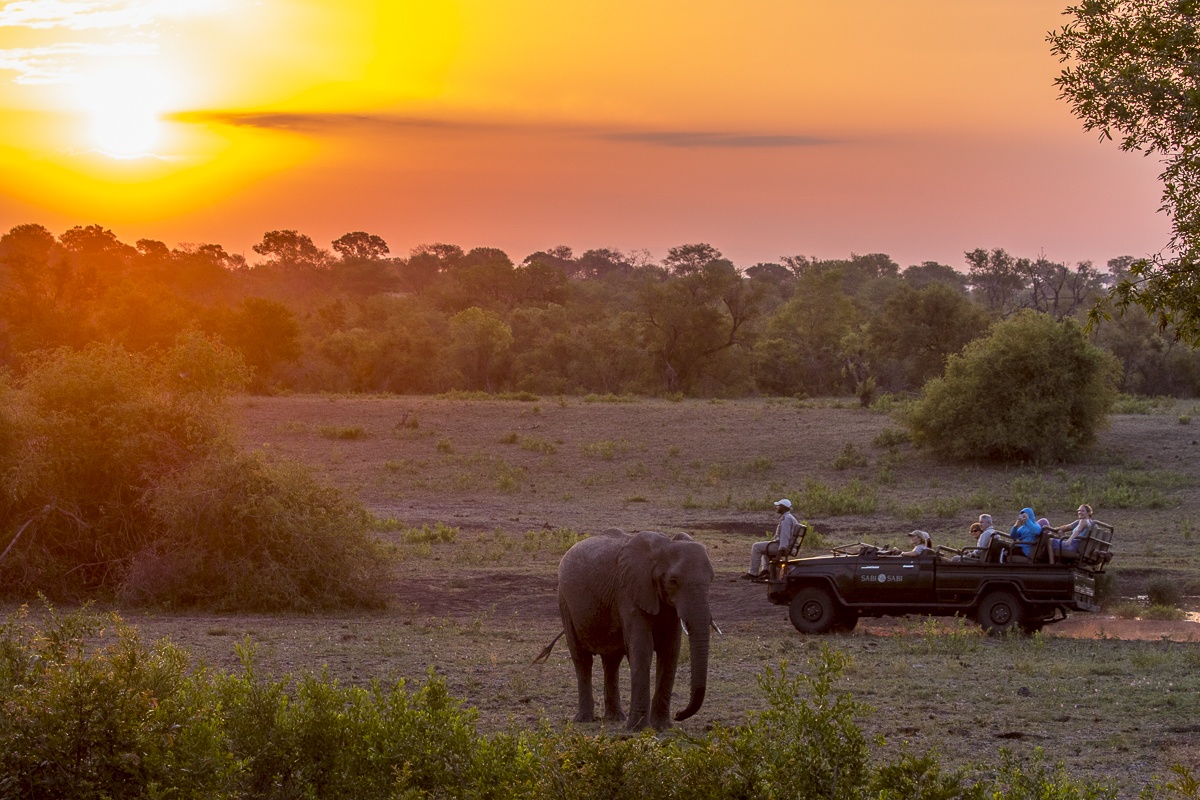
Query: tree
pixel 801 348
pixel 1134 70
pixel 290 250
pixel 360 246
pixel 1033 390
pixel 688 259
pixel 918 330
pixel 918 276
pixel 995 279
pixel 688 321
pixel 480 340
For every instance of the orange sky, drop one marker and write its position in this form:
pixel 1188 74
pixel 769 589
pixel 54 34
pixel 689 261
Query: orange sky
pixel 766 128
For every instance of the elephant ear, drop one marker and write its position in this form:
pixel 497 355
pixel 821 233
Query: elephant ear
pixel 635 569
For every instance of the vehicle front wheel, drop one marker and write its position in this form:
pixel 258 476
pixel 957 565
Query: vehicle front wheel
pixel 1000 612
pixel 813 610
pixel 845 620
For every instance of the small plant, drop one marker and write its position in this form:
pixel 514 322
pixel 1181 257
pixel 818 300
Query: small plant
pixel 1164 592
pixel 637 469
pixel 758 465
pixel 408 421
pixel 1185 419
pixel 1163 612
pixel 346 432
pixel 850 456
pixel 536 445
pixel 509 479
pixel 891 437
pixel 439 532
pixel 444 446
pixel 509 438
pixel 606 450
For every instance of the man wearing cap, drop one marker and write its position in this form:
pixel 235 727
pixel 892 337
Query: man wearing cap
pixel 785 531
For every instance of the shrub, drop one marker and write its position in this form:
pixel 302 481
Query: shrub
pixel 91 711
pixel 1033 390
pixel 89 434
pixel 850 456
pixel 1164 592
pixel 241 533
pixel 127 473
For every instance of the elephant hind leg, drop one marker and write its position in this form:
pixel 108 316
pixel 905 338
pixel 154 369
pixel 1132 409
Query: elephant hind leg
pixel 612 686
pixel 582 659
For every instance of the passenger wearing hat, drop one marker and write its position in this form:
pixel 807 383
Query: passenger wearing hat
pixel 921 543
pixel 785 532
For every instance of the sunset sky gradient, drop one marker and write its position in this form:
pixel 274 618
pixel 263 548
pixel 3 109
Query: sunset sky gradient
pixel 775 127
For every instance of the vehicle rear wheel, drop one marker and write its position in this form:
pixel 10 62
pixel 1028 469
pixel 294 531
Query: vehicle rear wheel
pixel 813 610
pixel 1000 612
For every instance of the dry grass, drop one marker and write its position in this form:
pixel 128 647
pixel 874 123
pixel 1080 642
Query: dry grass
pixel 520 481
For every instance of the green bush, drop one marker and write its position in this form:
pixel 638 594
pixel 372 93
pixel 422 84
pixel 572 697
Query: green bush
pixel 91 711
pixel 90 433
pixel 124 478
pixel 1164 592
pixel 1033 390
pixel 241 533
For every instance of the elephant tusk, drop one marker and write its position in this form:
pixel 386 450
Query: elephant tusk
pixel 713 622
pixel 683 625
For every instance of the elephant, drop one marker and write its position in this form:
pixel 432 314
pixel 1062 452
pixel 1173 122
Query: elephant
pixel 625 595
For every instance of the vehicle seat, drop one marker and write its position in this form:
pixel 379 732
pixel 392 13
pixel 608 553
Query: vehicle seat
pixel 1096 550
pixel 991 555
pixel 1041 554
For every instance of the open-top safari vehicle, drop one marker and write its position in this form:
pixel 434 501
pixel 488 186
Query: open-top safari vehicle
pixel 998 586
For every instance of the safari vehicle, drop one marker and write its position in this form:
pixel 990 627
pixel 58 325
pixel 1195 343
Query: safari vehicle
pixel 999 588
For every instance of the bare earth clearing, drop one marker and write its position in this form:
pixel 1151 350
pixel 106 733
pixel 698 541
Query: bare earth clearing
pixel 1114 699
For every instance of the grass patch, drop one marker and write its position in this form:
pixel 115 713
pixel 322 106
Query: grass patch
pixel 609 398
pixel 1134 404
pixel 605 450
pixel 535 445
pixel 344 432
pixel 891 437
pixel 850 457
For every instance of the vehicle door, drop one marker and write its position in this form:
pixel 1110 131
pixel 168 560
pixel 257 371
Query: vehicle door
pixel 895 579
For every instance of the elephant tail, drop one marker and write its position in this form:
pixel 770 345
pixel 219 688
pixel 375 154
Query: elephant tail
pixel 542 656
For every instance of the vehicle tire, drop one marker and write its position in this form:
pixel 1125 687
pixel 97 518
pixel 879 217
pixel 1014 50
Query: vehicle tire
pixel 813 610
pixel 1000 612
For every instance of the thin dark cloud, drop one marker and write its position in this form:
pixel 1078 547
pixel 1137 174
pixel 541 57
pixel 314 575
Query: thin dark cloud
pixel 716 139
pixel 349 124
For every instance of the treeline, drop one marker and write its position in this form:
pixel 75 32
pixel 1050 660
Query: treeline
pixel 355 318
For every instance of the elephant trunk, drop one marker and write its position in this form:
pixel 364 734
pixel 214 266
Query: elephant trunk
pixel 698 645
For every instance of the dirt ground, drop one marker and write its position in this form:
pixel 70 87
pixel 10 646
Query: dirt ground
pixel 520 480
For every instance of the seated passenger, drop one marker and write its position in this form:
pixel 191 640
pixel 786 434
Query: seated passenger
pixel 1025 532
pixel 1068 549
pixel 985 537
pixel 921 543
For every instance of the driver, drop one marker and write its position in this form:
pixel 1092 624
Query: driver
pixel 785 533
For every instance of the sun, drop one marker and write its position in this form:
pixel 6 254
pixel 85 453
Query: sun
pixel 126 132
pixel 124 109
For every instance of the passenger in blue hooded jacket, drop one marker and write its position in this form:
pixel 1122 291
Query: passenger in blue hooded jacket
pixel 1026 531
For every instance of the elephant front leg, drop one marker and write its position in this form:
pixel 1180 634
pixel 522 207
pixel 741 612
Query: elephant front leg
pixel 640 646
pixel 612 686
pixel 666 659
